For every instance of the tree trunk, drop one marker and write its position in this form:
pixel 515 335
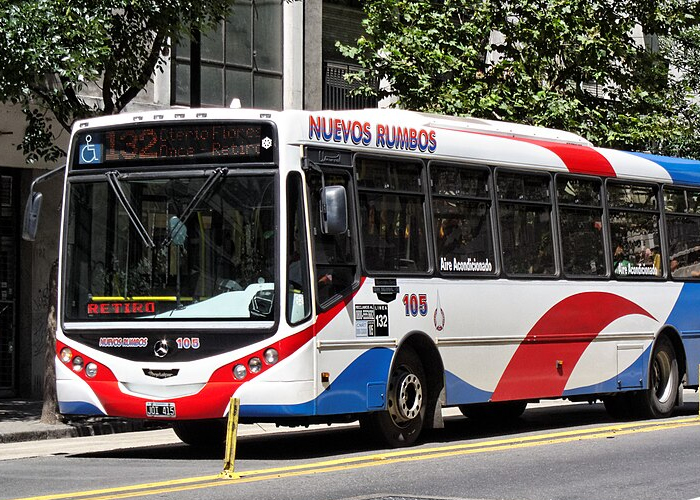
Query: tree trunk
pixel 49 412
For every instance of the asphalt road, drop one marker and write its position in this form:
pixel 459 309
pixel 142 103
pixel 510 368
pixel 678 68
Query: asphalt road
pixel 562 452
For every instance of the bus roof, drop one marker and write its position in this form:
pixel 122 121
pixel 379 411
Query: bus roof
pixel 466 139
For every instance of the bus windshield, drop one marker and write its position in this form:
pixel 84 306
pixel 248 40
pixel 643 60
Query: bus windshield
pixel 170 248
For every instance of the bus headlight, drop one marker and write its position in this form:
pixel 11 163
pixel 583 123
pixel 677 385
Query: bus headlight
pixel 78 363
pixel 255 365
pixel 271 356
pixel 91 370
pixel 239 372
pixel 66 355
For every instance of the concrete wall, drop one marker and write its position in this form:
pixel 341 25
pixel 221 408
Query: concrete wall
pixel 341 23
pixel 313 61
pixel 36 259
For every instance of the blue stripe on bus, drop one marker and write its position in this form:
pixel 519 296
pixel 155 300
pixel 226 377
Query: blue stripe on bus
pixel 281 411
pixel 686 319
pixel 634 377
pixel 682 170
pixel 457 391
pixel 78 408
pixel 356 388
pixel 361 386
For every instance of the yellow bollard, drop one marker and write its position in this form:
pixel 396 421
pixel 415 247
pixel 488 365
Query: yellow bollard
pixel 231 435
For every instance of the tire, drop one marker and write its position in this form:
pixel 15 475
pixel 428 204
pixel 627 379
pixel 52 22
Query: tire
pixel 501 411
pixel 659 399
pixel 401 423
pixel 201 433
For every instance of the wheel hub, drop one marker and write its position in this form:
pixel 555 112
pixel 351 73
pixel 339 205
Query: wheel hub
pixel 408 400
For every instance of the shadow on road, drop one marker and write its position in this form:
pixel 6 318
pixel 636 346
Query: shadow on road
pixel 348 440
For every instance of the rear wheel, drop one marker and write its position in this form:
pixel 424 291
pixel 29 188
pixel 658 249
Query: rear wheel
pixel 659 399
pixel 400 424
pixel 204 433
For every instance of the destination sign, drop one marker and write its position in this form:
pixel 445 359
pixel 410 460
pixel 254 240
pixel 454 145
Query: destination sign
pixel 167 144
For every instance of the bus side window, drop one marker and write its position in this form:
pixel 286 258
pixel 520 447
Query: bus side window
pixel 581 226
pixel 335 261
pixel 525 222
pixel 392 216
pixel 634 230
pixel 683 229
pixel 462 220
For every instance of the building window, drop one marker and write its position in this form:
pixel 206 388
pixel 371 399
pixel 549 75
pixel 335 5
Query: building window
pixel 338 93
pixel 241 59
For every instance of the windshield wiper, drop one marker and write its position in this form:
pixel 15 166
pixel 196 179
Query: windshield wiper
pixel 113 181
pixel 212 179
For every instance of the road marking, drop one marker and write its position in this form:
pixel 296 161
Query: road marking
pixel 374 460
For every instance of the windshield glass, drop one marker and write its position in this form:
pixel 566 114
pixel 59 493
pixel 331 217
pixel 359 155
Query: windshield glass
pixel 167 249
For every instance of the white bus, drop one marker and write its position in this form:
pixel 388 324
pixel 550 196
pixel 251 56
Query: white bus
pixel 378 265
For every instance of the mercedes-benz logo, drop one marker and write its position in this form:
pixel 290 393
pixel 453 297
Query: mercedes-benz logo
pixel 161 348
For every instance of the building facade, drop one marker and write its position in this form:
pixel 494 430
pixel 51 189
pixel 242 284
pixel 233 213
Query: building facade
pixel 270 54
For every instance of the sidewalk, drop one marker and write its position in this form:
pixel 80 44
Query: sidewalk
pixel 20 421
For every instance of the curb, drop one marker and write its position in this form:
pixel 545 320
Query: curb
pixel 77 429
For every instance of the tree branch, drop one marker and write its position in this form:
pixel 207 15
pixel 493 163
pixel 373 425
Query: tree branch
pixel 146 71
pixel 107 81
pixel 45 95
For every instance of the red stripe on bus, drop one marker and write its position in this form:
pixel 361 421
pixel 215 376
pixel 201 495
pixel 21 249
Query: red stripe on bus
pixel 544 361
pixel 577 158
pixel 212 400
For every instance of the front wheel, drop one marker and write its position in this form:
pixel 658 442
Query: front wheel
pixel 659 399
pixel 401 423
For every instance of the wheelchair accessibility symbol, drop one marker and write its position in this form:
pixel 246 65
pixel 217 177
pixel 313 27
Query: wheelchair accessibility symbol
pixel 90 153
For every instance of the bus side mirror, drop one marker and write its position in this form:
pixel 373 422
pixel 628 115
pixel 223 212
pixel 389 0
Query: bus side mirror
pixel 334 210
pixel 31 216
pixel 33 207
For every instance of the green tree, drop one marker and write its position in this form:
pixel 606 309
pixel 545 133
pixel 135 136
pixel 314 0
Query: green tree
pixel 568 64
pixel 52 50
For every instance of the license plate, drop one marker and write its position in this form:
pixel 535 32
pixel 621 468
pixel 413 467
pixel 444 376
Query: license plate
pixel 162 410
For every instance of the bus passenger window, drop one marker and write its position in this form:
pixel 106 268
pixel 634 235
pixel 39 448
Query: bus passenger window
pixel 525 217
pixel 683 230
pixel 581 226
pixel 462 217
pixel 392 216
pixel 634 231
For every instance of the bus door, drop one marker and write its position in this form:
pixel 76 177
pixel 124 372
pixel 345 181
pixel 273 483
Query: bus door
pixel 347 382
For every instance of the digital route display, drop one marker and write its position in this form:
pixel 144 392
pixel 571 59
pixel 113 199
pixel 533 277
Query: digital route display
pixel 168 144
